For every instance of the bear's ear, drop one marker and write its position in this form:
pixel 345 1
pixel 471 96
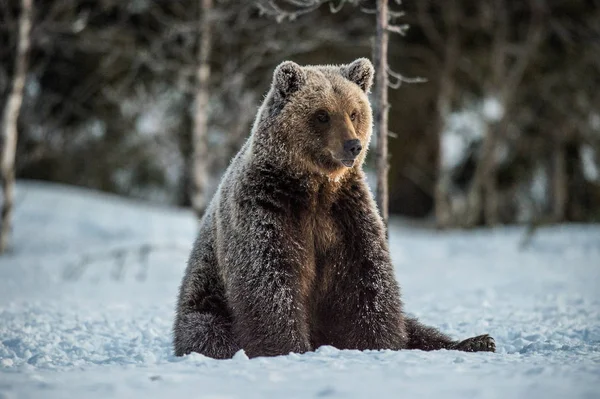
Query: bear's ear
pixel 361 72
pixel 288 78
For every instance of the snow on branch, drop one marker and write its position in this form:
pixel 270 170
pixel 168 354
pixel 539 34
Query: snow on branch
pixel 292 9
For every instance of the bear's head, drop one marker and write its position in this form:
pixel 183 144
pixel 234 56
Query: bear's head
pixel 317 118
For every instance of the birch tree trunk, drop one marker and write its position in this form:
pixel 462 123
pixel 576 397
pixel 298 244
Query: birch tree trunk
pixel 10 118
pixel 381 107
pixel 200 154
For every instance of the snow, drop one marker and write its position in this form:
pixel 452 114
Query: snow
pixel 461 130
pixel 454 149
pixel 588 163
pixel 87 297
pixel 468 126
pixel 492 109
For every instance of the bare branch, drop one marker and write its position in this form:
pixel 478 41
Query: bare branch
pixel 399 29
pixel 402 79
pixel 292 9
pixel 395 85
pixel 298 7
pixel 395 14
pixel 427 24
pixel 335 9
pixel 532 42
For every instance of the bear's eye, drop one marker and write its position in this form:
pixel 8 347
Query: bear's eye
pixel 353 116
pixel 322 116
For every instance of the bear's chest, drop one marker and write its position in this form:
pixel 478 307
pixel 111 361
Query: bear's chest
pixel 320 233
pixel 324 232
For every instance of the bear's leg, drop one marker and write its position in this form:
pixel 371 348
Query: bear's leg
pixel 203 322
pixel 268 281
pixel 429 338
pixel 209 334
pixel 424 337
pixel 358 306
pixel 269 314
pixel 360 310
pixel 362 307
pixel 358 299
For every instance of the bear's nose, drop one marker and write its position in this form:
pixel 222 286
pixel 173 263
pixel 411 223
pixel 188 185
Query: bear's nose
pixel 352 147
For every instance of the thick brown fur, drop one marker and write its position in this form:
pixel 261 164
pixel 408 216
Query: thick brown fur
pixel 291 253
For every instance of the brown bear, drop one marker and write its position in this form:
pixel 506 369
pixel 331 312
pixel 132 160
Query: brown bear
pixel 291 252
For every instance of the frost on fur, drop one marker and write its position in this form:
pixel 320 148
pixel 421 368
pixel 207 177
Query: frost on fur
pixel 360 72
pixel 288 78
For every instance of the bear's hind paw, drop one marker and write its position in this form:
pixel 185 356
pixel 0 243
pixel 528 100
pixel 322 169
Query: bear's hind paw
pixel 480 343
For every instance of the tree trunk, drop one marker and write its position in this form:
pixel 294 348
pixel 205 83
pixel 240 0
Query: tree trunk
pixel 381 107
pixel 444 214
pixel 490 190
pixel 560 183
pixel 200 154
pixel 443 211
pixel 483 169
pixel 10 118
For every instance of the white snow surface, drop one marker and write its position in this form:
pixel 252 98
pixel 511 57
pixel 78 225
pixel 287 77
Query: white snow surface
pixel 83 316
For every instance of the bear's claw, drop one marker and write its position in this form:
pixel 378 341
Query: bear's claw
pixel 480 343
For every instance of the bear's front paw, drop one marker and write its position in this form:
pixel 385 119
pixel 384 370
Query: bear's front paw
pixel 481 343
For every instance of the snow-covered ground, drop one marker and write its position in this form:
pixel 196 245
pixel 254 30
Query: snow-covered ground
pixel 87 298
